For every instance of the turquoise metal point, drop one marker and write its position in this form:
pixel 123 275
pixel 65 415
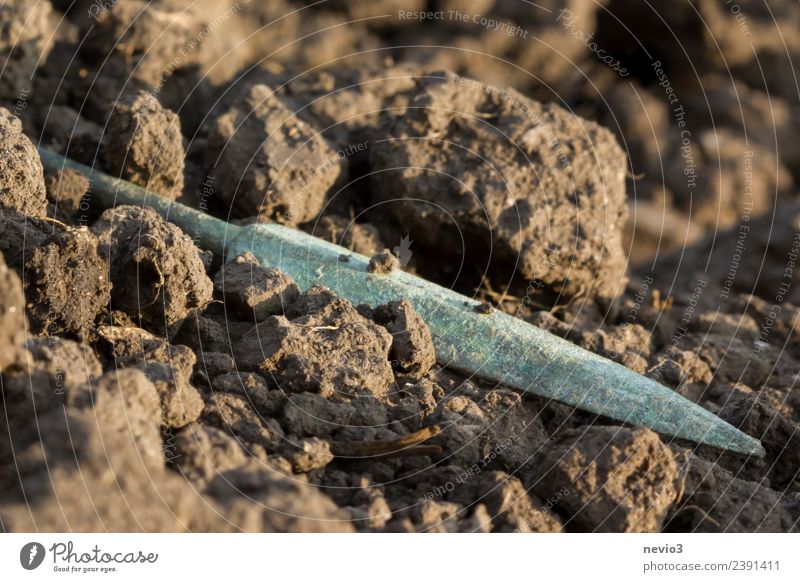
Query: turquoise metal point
pixel 493 346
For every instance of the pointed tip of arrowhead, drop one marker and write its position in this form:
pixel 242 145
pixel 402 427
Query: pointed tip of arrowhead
pixel 752 447
pixel 730 438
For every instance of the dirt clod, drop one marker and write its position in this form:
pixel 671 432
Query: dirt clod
pixel 268 403
pixel 137 39
pixel 143 145
pixel 254 291
pixel 359 238
pixel 12 316
pixel 156 270
pixel 269 163
pixel 66 190
pixel 716 501
pixel 312 415
pixel 27 37
pixel 34 232
pixel 234 414
pixel 180 401
pixel 149 386
pixel 779 435
pixel 67 283
pixel 526 164
pixel 412 353
pixel 21 175
pixel 321 345
pixel 383 263
pixel 309 454
pixel 614 479
pixel 264 500
pixel 511 507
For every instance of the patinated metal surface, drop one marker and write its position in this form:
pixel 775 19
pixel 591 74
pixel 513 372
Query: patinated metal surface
pixel 493 346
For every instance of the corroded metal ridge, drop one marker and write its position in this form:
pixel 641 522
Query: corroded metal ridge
pixel 493 346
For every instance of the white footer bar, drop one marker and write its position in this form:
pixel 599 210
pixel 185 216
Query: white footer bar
pixel 401 557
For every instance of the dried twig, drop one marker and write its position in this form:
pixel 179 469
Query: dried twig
pixel 405 446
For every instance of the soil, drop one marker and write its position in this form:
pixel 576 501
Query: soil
pixel 542 159
pixel 12 316
pixel 412 352
pixel 143 145
pixel 383 263
pixel 21 174
pixel 649 216
pixel 321 344
pixel 253 290
pixel 26 39
pixel 67 283
pixel 269 163
pixel 362 238
pixel 66 190
pixel 157 272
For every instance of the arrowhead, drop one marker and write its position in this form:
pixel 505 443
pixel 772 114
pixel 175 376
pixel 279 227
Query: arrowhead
pixel 496 346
